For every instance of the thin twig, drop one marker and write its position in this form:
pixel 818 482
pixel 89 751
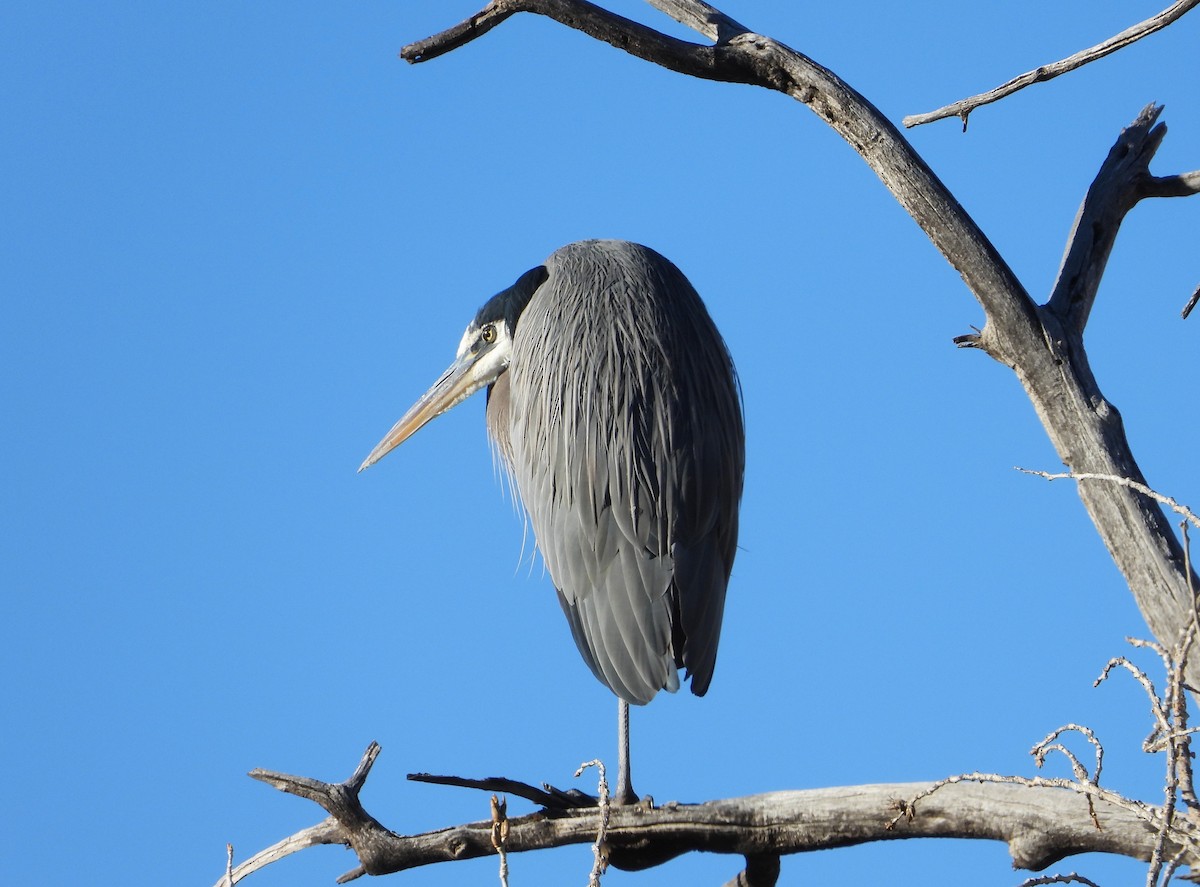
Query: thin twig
pixel 1172 735
pixel 1158 713
pixel 1047 745
pixel 1187 790
pixel 547 796
pixel 1071 878
pixel 1167 821
pixel 1177 746
pixel 963 108
pixel 1191 303
pixel 500 835
pixel 328 831
pixel 702 18
pixel 1039 752
pixel 1175 862
pixel 1176 838
pixel 1124 482
pixel 1151 815
pixel 1087 789
pixel 600 846
pixel 1187 565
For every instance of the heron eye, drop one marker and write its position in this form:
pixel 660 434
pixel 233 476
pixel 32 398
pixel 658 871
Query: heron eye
pixel 488 333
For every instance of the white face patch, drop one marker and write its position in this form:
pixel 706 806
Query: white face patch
pixel 489 349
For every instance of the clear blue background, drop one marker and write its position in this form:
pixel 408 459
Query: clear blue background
pixel 239 239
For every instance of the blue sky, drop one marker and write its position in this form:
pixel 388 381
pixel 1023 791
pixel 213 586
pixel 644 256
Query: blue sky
pixel 240 239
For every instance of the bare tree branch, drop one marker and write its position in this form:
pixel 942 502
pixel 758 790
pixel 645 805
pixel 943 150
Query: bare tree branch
pixel 1041 819
pixel 325 832
pixel 547 796
pixel 702 18
pixel 962 109
pixel 1038 820
pixel 1085 428
pixel 1124 482
pixel 1123 180
pixel 616 30
pixel 754 59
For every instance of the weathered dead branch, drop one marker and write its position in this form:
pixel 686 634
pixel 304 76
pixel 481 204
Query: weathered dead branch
pixel 1040 824
pixel 1041 819
pixel 963 108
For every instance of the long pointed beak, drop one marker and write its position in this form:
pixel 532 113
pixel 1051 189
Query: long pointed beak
pixel 454 386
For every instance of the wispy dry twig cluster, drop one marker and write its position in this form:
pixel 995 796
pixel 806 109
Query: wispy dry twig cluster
pixel 1176 823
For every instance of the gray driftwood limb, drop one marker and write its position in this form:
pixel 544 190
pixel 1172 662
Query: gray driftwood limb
pixel 1040 825
pixel 1085 427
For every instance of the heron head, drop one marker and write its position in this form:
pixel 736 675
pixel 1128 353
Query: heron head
pixel 483 355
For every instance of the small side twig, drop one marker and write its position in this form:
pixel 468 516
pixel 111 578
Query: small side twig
pixel 348 821
pixel 1157 712
pixel 328 831
pixel 1187 790
pixel 908 809
pixel 1171 735
pixel 1072 878
pixel 1040 750
pixel 1123 482
pixel 1048 745
pixel 547 796
pixel 500 835
pixel 600 846
pixel 963 108
pixel 1191 303
pixel 1176 834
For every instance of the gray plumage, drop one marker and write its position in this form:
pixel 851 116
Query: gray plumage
pixel 614 404
pixel 619 419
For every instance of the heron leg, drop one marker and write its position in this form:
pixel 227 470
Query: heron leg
pixel 625 793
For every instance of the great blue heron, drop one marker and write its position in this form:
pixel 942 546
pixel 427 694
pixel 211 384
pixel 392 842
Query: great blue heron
pixel 613 402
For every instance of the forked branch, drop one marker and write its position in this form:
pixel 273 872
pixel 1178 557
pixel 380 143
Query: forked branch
pixel 742 56
pixel 1039 823
pixel 1124 180
pixel 1042 819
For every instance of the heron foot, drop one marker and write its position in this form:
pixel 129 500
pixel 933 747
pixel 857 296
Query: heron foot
pixel 630 798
